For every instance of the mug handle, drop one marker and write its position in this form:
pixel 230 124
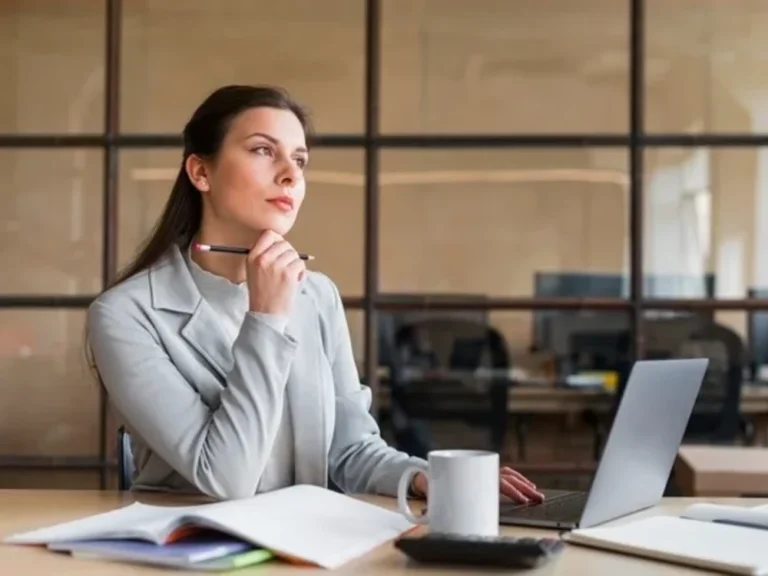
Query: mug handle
pixel 402 494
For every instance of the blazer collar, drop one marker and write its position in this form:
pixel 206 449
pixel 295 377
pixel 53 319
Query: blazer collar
pixel 173 289
pixel 172 285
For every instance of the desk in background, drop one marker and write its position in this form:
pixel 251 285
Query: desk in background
pixel 541 396
pixel 25 510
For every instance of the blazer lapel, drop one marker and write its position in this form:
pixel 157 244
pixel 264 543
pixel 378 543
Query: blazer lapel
pixel 306 395
pixel 174 289
pixel 204 333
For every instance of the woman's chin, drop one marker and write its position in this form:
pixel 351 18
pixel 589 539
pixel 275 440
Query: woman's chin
pixel 279 225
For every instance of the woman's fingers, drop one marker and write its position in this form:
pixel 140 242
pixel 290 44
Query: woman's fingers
pixel 421 484
pixel 532 493
pixel 509 490
pixel 518 487
pixel 507 471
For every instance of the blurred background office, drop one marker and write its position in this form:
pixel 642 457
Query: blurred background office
pixel 517 198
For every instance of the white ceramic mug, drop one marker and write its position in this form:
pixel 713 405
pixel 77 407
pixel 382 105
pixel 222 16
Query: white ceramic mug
pixel 463 496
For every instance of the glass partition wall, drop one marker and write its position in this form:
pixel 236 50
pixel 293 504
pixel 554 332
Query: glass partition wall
pixel 512 159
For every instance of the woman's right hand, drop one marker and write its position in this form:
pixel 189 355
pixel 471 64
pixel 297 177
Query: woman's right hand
pixel 274 270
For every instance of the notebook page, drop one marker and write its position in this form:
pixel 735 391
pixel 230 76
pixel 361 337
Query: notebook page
pixel 703 544
pixel 133 521
pixel 308 523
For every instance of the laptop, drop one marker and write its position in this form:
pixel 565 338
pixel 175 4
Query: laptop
pixel 639 453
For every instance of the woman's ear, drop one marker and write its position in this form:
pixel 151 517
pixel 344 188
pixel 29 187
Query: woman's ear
pixel 197 172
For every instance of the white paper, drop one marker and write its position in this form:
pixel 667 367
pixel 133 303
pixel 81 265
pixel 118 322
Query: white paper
pixel 135 521
pixel 310 523
pixel 704 544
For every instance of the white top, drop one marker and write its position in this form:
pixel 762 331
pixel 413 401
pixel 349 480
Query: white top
pixel 230 302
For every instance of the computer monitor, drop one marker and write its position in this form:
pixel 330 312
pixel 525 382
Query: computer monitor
pixel 609 285
pixel 600 351
pixel 568 333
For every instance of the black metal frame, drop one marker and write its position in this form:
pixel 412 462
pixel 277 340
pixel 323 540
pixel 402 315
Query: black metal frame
pixel 636 131
pixel 405 141
pixel 635 142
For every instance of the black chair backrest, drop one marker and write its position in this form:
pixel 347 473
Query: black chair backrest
pixel 452 344
pixel 716 414
pixel 455 343
pixel 391 321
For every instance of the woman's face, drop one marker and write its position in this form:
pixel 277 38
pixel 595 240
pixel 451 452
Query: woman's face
pixel 256 182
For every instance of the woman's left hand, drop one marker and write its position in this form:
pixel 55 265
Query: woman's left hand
pixel 517 487
pixel 512 484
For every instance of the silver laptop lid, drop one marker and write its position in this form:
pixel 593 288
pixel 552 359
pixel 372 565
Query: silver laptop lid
pixel 644 439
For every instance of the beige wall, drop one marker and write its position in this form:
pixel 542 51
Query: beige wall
pixel 452 220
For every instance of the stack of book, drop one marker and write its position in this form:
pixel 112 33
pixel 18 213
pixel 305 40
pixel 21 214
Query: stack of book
pixel 202 552
pixel 300 524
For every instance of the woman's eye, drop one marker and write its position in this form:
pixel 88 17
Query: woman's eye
pixel 263 150
pixel 301 162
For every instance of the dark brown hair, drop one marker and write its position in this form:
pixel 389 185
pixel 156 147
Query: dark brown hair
pixel 203 136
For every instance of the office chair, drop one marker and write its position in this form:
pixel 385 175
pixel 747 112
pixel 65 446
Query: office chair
pixel 411 435
pixel 716 416
pixel 452 344
pixel 125 466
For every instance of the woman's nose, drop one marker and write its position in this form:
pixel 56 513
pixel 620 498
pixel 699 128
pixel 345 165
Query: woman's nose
pixel 289 174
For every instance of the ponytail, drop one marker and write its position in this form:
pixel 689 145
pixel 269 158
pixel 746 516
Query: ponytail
pixel 177 225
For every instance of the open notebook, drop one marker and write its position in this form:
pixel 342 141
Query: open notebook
pixel 729 539
pixel 304 524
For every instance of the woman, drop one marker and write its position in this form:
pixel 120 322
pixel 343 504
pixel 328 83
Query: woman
pixel 234 374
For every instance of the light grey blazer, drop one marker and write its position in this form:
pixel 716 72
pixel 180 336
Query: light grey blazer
pixel 203 410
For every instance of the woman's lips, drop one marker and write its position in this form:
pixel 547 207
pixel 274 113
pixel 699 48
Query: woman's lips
pixel 283 204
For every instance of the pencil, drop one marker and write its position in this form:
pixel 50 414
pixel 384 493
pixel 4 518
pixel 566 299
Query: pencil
pixel 234 250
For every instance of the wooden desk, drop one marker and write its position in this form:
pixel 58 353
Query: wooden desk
pixel 24 510
pixel 722 471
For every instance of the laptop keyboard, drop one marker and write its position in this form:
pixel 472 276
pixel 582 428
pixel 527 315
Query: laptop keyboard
pixel 561 506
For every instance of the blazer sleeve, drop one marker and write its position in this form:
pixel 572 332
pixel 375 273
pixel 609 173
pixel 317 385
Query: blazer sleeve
pixel 223 452
pixel 360 461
